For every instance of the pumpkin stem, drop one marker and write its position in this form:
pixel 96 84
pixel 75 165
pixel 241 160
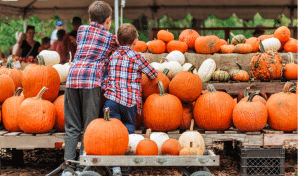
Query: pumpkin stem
pixel 18 91
pixel 41 93
pixel 148 133
pixel 293 89
pixel 252 95
pixel 192 125
pixel 41 60
pixel 8 64
pixel 161 88
pixel 162 60
pixel 261 47
pixel 291 58
pixel 106 114
pixel 240 67
pixel 166 71
pixel 211 88
pixel 246 93
pixel 287 86
pixel 192 68
pixel 70 59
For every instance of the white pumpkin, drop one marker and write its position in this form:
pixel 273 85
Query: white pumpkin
pixel 50 57
pixel 176 56
pixel 134 139
pixel 159 138
pixel 174 68
pixel 206 70
pixel 192 136
pixel 62 71
pixel 187 66
pixel 157 66
pixel 271 44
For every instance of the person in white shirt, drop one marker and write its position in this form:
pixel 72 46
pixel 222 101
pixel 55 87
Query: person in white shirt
pixel 59 25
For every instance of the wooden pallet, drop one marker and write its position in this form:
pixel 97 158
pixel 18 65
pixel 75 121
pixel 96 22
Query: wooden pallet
pixel 278 139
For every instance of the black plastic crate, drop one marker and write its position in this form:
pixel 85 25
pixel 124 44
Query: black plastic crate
pixel 261 161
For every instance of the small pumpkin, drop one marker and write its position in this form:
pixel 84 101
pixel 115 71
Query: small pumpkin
pixel 12 72
pixel 206 70
pixel 254 42
pixel 171 147
pixel 7 87
pixel 165 36
pixel 158 66
pixel 173 66
pixel 271 44
pixel 140 46
pixel 250 115
pixel 237 39
pixel 50 57
pixel 291 69
pixel 176 56
pixel 227 49
pixel 176 45
pixel 191 150
pixel 147 146
pixel 189 36
pixel 242 48
pixel 207 44
pixel 157 46
pixel 282 33
pixel 239 74
pixel 134 140
pixel 221 75
pixel 159 138
pixel 264 37
pixel 291 46
pixel 62 71
pixel 58 103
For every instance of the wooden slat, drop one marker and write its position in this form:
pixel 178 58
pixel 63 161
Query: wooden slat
pixel 13 134
pixel 253 132
pixel 3 132
pixel 295 132
pixel 272 131
pixel 277 140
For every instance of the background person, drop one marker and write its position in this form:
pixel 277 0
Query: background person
pixel 58 25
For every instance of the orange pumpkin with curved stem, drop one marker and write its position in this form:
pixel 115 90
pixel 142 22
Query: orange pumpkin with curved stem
pixel 291 46
pixel 283 109
pixel 262 97
pixel 165 36
pixel 171 147
pixel 7 87
pixel 10 108
pixel 147 146
pixel 140 46
pixel 291 69
pixel 250 115
pixel 101 135
pixel 207 44
pixel 157 46
pixel 189 36
pixel 282 33
pixel 239 74
pixel 13 72
pixel 58 103
pixel 177 45
pixel 254 42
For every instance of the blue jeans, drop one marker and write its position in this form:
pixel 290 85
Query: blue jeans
pixel 123 113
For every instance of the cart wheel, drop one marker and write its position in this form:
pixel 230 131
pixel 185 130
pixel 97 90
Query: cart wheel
pixel 89 173
pixel 201 173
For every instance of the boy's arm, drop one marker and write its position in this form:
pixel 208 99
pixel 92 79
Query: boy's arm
pixel 146 68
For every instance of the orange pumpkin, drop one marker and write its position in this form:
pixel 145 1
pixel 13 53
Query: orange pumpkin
pixel 239 74
pixel 262 97
pixel 227 49
pixel 223 42
pixel 157 46
pixel 7 87
pixel 291 69
pixel 186 85
pixel 250 115
pixel 213 110
pixel 243 48
pixel 187 115
pixel 177 45
pixel 291 46
pixel 58 103
pixel 282 33
pixel 149 86
pixel 191 151
pixel 140 46
pixel 189 37
pixel 35 77
pixel 264 37
pixel 283 110
pixel 165 36
pixel 147 146
pixel 207 44
pixel 36 115
pixel 162 112
pixel 10 108
pixel 254 42
pixel 13 72
pixel 171 147
pixel 281 46
pixel 101 135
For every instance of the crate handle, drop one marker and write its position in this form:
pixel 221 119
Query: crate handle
pixel 161 160
pixel 203 160
pixel 138 160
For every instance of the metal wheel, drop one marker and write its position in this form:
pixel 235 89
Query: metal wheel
pixel 89 173
pixel 201 173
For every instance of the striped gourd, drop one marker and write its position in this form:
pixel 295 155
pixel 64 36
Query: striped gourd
pixel 221 75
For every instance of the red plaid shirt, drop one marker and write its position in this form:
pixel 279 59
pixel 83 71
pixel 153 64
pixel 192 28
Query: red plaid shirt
pixel 123 80
pixel 94 45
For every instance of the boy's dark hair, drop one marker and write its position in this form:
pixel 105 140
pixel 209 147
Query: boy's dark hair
pixel 45 40
pixel 99 11
pixel 73 34
pixel 60 34
pixel 76 21
pixel 126 34
pixel 30 27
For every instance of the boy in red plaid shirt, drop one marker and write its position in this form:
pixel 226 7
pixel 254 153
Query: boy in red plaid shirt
pixel 85 78
pixel 123 88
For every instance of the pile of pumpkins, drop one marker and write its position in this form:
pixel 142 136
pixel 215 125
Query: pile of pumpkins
pixel 191 40
pixel 29 98
pixel 101 141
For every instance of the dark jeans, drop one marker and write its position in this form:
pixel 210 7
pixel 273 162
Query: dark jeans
pixel 81 107
pixel 123 113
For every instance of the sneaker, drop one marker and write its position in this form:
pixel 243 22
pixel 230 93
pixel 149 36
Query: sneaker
pixel 117 171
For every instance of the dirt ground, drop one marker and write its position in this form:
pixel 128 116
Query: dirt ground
pixel 40 162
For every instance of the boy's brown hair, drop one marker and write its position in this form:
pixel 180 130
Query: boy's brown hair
pixel 99 11
pixel 45 40
pixel 126 34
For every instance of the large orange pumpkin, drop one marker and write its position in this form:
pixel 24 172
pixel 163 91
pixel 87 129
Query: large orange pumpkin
pixel 157 46
pixel 282 33
pixel 283 110
pixel 147 146
pixel 13 72
pixel 36 115
pixel 250 115
pixel 213 110
pixel 7 87
pixel 35 77
pixel 177 45
pixel 186 85
pixel 189 37
pixel 165 36
pixel 291 46
pixel 291 69
pixel 162 112
pixel 102 134
pixel 140 46
pixel 207 44
pixel 254 42
pixel 10 108
pixel 59 124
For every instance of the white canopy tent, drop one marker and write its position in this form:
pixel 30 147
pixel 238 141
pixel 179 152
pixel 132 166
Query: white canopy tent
pixel 154 9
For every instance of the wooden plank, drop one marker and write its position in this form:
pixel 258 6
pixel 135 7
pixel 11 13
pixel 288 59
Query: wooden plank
pixel 12 134
pixel 253 132
pixel 174 132
pixel 277 140
pixel 2 133
pixel 295 132
pixel 272 131
pixel 211 132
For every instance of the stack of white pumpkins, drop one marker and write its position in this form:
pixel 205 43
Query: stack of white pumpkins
pixel 175 62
